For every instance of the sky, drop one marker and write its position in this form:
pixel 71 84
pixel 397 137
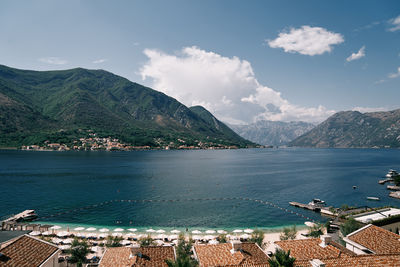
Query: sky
pixel 242 60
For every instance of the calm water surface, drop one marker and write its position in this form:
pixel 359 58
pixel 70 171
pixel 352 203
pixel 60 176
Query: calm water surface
pixel 53 182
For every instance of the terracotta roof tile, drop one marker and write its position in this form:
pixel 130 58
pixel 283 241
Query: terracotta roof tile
pixel 220 255
pixel 26 251
pixel 150 257
pixel 308 249
pixel 377 239
pixel 362 260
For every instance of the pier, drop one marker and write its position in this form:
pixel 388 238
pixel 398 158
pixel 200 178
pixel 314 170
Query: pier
pixel 385 181
pixel 393 187
pixel 322 210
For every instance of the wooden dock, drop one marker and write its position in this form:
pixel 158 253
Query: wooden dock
pixel 395 194
pixel 22 216
pixel 322 210
pixel 385 181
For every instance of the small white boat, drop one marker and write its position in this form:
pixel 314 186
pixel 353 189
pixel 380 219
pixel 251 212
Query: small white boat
pixel 373 198
pixel 317 202
pixel 392 174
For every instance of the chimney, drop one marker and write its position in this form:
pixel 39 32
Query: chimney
pixel 236 246
pixel 135 250
pixel 317 263
pixel 326 239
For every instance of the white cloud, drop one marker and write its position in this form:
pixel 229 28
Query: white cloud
pixel 225 86
pixel 53 60
pixel 358 55
pixel 395 22
pixel 307 40
pixel 366 109
pixel 395 75
pixel 99 61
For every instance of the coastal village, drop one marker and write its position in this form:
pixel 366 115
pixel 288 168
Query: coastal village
pixel 93 142
pixel 371 243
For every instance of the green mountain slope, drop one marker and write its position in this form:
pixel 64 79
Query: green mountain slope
pixel 354 129
pixel 57 105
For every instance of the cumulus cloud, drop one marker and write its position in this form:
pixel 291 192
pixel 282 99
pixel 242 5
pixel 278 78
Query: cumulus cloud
pixel 395 75
pixel 225 86
pixel 53 60
pixel 358 55
pixel 99 61
pixel 307 40
pixel 395 24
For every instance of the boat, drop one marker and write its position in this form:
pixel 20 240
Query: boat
pixel 373 198
pixel 317 202
pixel 354 187
pixel 26 216
pixel 392 173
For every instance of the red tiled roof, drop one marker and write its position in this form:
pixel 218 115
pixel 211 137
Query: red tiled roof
pixel 26 251
pixel 220 255
pixel 150 257
pixel 308 249
pixel 362 260
pixel 377 239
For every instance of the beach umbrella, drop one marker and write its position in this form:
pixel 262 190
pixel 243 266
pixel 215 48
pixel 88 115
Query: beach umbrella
pixel 132 229
pixel 81 235
pixel 103 230
pixel 119 230
pixel 248 231
pixel 95 249
pixel 221 232
pixel 55 227
pixel 196 232
pixel 159 242
pixel 79 228
pixel 46 233
pixel 210 232
pixel 209 237
pixel 150 230
pixel 91 235
pixel 67 241
pixel 34 233
pixel 64 247
pixel 237 231
pixel 125 242
pixel 196 237
pixel 175 231
pixel 245 236
pixel 56 240
pixel 160 236
pixel 173 237
pixel 117 234
pixel 310 224
pixel 102 236
pixel 63 234
pixel 91 229
pixel 161 231
pixel 213 242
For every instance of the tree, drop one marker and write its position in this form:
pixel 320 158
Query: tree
pixel 114 241
pixel 349 226
pixel 183 254
pixel 79 250
pixel 222 238
pixel 289 233
pixel 315 230
pixel 147 241
pixel 258 237
pixel 396 180
pixel 281 259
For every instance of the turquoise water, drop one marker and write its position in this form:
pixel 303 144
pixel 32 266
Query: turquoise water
pixel 54 183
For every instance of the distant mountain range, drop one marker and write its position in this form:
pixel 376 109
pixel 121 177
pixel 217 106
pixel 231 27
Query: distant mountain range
pixel 354 129
pixel 56 106
pixel 275 133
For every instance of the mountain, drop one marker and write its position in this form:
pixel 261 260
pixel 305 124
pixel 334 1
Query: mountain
pixel 275 133
pixel 58 106
pixel 354 129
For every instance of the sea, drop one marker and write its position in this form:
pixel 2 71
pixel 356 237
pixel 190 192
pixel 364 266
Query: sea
pixel 190 189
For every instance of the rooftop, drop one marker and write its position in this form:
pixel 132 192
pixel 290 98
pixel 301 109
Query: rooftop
pixel 362 260
pixel 26 251
pixel 250 254
pixel 376 239
pixel 144 256
pixel 308 249
pixel 371 216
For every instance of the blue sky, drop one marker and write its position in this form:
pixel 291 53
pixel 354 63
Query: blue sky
pixel 243 60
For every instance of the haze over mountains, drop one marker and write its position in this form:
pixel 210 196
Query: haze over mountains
pixel 354 129
pixel 56 106
pixel 275 133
